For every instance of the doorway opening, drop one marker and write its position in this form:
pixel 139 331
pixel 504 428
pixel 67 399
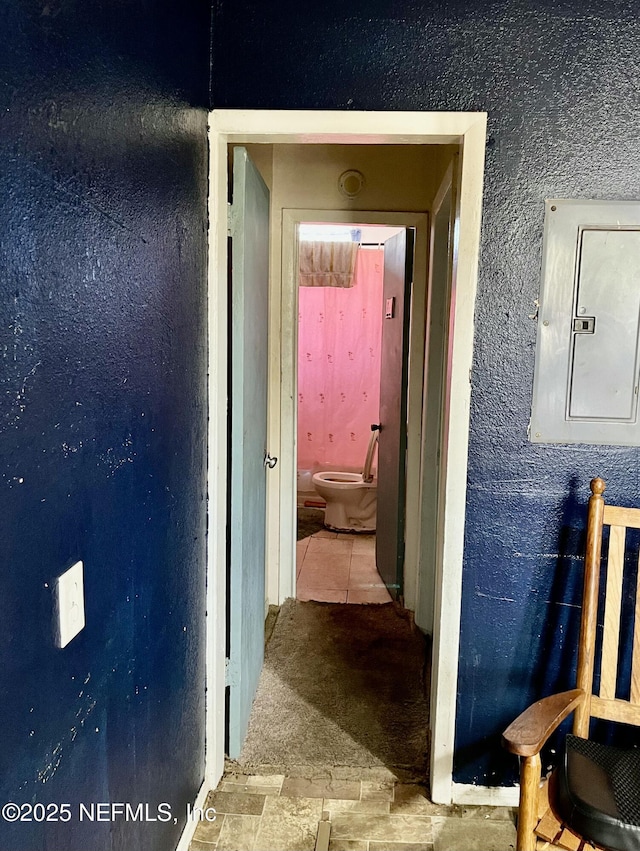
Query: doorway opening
pixel 343 330
pixel 400 392
pixel 307 130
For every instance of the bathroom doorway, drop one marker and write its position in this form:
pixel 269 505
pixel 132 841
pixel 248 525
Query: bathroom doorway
pixel 341 310
pixel 291 435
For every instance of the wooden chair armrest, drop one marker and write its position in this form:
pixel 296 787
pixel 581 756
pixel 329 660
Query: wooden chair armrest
pixel 527 734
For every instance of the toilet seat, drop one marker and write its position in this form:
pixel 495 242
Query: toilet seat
pixel 342 481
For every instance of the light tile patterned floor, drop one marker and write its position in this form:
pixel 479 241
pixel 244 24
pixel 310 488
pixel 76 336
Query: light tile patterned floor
pixel 337 568
pixel 277 813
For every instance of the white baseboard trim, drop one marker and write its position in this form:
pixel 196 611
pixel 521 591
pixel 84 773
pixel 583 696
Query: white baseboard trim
pixel 190 826
pixel 492 796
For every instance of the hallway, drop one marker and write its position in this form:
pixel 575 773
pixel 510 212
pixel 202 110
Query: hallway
pixel 342 688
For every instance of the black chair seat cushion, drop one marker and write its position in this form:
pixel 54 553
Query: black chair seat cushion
pixel 598 793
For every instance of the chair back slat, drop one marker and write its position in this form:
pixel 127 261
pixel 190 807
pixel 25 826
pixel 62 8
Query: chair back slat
pixel 635 659
pixel 615 515
pixel 612 610
pixel 615 710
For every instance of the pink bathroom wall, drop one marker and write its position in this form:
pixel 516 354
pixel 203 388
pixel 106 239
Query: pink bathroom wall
pixel 339 334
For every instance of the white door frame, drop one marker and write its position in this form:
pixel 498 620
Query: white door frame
pixel 281 570
pixel 376 128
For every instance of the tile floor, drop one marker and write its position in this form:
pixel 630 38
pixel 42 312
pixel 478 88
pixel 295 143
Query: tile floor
pixel 337 568
pixel 277 813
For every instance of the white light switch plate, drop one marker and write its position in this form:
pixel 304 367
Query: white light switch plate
pixel 69 604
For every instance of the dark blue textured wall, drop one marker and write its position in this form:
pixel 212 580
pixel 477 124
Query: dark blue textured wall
pixel 103 410
pixel 559 81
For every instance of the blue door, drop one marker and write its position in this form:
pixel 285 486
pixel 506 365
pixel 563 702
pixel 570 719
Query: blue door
pixel 247 412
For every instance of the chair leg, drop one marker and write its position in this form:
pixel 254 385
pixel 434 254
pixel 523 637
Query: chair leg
pixel 530 768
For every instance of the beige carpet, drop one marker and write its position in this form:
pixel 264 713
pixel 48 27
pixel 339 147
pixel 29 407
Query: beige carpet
pixel 342 686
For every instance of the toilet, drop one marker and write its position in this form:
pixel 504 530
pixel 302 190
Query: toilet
pixel 351 498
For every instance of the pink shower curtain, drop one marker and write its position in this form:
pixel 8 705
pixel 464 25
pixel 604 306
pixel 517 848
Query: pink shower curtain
pixel 339 333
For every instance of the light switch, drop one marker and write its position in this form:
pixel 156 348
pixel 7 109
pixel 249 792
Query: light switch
pixel 390 309
pixel 69 604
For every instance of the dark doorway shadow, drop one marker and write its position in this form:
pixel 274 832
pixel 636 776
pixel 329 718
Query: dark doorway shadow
pixel 310 521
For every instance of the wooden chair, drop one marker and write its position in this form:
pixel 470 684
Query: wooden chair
pixel 594 794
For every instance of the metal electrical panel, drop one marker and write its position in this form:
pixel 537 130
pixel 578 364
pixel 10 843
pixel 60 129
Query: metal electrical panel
pixel 587 356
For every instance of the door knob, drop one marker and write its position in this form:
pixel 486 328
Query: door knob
pixel 269 461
